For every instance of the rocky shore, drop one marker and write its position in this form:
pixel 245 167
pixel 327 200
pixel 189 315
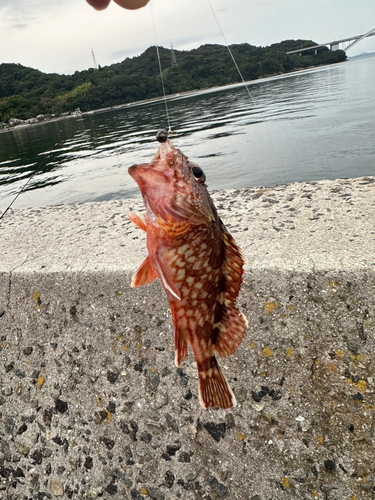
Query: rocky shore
pixel 91 405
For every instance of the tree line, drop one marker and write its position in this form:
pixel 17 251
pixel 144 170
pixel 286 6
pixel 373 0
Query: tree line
pixel 27 92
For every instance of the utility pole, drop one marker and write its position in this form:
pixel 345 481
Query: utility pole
pixel 94 60
pixel 174 60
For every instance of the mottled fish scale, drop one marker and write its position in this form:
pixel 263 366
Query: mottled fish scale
pixel 199 265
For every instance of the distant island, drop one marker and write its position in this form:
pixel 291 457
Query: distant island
pixel 27 93
pixel 363 54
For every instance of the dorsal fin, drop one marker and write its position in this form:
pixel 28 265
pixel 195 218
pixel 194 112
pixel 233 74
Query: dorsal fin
pixel 232 266
pixel 230 323
pixel 231 330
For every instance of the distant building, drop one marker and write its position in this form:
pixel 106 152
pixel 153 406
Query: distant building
pixel 15 121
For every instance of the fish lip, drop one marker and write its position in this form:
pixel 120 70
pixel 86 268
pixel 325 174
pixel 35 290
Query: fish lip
pixel 132 169
pixel 135 169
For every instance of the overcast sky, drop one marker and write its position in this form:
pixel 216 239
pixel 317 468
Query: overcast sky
pixel 58 35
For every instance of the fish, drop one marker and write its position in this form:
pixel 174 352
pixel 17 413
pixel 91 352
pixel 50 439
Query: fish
pixel 198 262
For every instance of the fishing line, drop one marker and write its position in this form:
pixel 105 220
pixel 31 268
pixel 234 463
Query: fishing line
pixel 243 80
pixel 161 71
pixel 43 164
pixel 230 52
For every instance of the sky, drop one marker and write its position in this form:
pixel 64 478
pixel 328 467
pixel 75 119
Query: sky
pixel 57 36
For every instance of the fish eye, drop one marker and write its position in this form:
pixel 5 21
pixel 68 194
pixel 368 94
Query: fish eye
pixel 198 174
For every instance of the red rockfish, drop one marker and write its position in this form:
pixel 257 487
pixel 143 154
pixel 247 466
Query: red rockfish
pixel 197 261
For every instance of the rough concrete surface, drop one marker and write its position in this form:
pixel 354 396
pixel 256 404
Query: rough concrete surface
pixel 91 405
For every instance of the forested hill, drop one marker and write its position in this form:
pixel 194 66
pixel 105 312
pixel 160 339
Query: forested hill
pixel 26 92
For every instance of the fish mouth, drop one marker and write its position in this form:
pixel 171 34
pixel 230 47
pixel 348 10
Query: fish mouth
pixel 160 166
pixel 153 183
pixel 140 172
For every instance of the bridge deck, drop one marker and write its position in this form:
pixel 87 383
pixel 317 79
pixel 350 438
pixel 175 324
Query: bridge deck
pixel 336 42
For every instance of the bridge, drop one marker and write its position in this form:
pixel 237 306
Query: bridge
pixel 335 45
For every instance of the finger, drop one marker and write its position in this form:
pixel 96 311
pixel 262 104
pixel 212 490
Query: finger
pixel 132 4
pixel 98 4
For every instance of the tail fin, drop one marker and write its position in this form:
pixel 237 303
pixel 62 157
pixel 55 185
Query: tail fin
pixel 213 388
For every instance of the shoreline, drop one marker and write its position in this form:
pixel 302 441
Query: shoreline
pixel 172 97
pixel 319 203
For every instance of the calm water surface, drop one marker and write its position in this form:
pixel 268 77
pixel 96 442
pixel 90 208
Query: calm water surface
pixel 315 124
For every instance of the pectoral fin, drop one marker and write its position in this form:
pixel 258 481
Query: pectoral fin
pixel 146 273
pixel 167 284
pixel 137 221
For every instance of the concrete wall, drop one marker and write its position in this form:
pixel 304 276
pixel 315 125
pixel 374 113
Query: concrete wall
pixel 91 405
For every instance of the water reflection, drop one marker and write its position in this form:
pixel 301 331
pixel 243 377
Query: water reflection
pixel 305 126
